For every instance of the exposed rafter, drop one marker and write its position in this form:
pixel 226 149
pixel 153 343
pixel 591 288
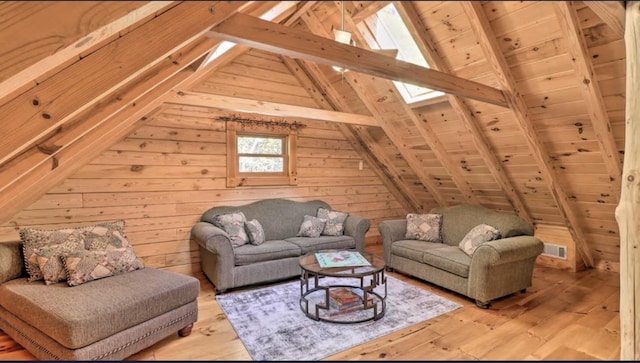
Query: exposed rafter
pixel 271 37
pixel 497 61
pixel 428 50
pixel 611 12
pixel 267 108
pixel 367 9
pixel 590 87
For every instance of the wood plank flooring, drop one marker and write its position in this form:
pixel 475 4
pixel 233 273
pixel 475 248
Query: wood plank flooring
pixel 563 316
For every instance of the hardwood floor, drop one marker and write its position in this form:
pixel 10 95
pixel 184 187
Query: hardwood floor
pixel 563 316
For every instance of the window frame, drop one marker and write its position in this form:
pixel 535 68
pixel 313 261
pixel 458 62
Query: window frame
pixel 235 178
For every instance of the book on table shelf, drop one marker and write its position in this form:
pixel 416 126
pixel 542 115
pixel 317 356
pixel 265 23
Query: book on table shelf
pixel 343 300
pixel 341 259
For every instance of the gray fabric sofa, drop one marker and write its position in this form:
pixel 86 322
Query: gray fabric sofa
pixel 497 268
pixel 106 319
pixel 277 258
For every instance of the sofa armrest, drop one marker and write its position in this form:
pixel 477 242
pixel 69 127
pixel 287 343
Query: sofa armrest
pixel 212 238
pixel 11 261
pixel 357 228
pixel 507 250
pixel 391 231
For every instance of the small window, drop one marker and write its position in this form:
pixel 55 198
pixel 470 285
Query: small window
pixel 260 157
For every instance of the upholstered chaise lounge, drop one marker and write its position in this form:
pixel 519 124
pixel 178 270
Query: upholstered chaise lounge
pixel 497 268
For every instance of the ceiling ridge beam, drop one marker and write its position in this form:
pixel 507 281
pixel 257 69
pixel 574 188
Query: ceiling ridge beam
pixel 611 12
pixel 482 28
pixel 590 88
pixel 267 108
pixel 425 130
pixel 426 45
pixel 316 27
pixel 328 99
pixel 296 43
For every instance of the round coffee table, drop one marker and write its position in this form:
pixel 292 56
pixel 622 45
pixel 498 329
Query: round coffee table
pixel 315 296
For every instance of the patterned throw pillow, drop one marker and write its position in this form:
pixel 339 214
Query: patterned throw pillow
pixel 34 239
pixel 255 232
pixel 311 226
pixel 424 227
pixel 49 258
pixel 85 266
pixel 233 224
pixel 478 235
pixel 335 221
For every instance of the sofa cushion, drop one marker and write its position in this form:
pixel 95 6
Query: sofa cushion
pixel 448 258
pixel 413 249
pixel 11 261
pixel 269 250
pixel 78 316
pixel 233 224
pixel 424 227
pixel 311 226
pixel 335 221
pixel 255 232
pixel 308 244
pixel 84 266
pixel 478 235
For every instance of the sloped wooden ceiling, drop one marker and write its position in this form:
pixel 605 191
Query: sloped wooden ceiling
pixel 533 122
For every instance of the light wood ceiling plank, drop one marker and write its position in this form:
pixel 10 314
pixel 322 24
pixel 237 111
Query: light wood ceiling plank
pixel 70 41
pixel 327 97
pixel 296 43
pixel 628 210
pixel 496 59
pixel 365 9
pixel 267 108
pixel 44 109
pixel 611 12
pixel 429 51
pixel 590 88
pixel 358 84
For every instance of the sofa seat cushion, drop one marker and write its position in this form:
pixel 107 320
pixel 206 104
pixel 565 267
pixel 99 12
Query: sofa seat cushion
pixel 413 249
pixel 310 244
pixel 450 259
pixel 267 251
pixel 81 315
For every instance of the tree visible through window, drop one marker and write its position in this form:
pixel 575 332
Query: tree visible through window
pixel 260 154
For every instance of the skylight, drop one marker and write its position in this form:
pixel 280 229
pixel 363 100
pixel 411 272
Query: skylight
pixel 388 31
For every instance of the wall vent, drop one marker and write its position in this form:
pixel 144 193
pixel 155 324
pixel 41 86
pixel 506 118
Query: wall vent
pixel 555 251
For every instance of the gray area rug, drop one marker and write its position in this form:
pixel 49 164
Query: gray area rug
pixel 272 326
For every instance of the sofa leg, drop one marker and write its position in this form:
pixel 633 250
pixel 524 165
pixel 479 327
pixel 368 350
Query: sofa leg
pixel 220 292
pixel 523 291
pixel 389 269
pixel 483 304
pixel 184 332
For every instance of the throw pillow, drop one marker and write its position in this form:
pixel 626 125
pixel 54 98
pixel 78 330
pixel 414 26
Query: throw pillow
pixel 335 221
pixel 49 258
pixel 34 239
pixel 478 235
pixel 255 232
pixel 424 227
pixel 311 226
pixel 85 266
pixel 233 224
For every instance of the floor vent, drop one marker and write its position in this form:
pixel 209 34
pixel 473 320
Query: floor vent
pixel 555 251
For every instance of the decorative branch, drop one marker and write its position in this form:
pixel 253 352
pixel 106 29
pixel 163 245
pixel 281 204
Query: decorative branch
pixel 270 124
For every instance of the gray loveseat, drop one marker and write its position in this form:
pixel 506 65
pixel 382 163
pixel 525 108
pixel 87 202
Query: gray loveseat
pixel 497 268
pixel 106 319
pixel 277 258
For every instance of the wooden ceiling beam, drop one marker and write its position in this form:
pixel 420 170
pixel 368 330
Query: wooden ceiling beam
pixel 325 96
pixel 590 88
pixel 377 110
pixel 267 108
pixel 365 9
pixel 422 125
pixel 29 57
pixel 628 210
pixel 44 109
pixel 611 12
pixel 482 28
pixel 296 43
pixel 429 51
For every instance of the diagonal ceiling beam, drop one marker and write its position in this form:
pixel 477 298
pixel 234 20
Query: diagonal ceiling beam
pixel 482 28
pixel 330 100
pixel 426 45
pixel 366 9
pixel 296 43
pixel 590 88
pixel 267 108
pixel 611 12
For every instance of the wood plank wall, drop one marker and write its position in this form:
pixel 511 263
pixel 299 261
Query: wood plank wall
pixel 164 175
